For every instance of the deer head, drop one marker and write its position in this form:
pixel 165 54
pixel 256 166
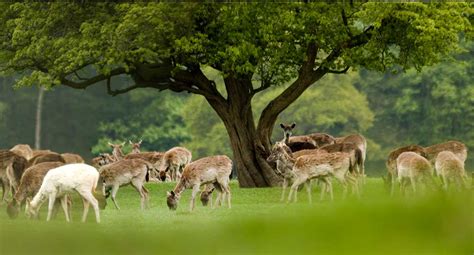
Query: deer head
pixel 287 130
pixel 135 146
pixel 117 150
pixel 172 200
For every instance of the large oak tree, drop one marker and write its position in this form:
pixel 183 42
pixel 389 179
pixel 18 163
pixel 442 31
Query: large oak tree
pixel 254 46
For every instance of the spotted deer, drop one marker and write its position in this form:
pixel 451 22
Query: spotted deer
pixel 391 163
pixel 209 170
pixel 153 158
pixel 135 147
pixel 414 169
pixel 285 160
pixel 173 162
pixel 451 169
pixel 321 166
pixel 124 172
pixel 117 151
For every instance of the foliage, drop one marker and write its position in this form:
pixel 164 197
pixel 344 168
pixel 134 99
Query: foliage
pixel 423 107
pixel 257 224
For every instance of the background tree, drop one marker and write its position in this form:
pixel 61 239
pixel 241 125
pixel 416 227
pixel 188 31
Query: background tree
pixel 165 46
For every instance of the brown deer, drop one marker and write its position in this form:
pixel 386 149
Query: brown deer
pixel 451 169
pixel 353 150
pixel 135 147
pixel 124 172
pixel 23 150
pixel 359 141
pixel 45 157
pixel 391 163
pixel 209 170
pixel 296 143
pixel 153 157
pixel 72 158
pixel 285 160
pixel 117 151
pixel 206 194
pixel 413 168
pixel 29 185
pixel 102 160
pixel 174 160
pixel 456 147
pixel 12 167
pixel 321 166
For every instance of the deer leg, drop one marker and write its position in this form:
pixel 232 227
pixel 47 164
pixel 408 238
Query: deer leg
pixel 413 185
pixel 85 211
pixel 6 190
pixel 52 199
pixel 90 199
pixel 64 205
pixel 138 185
pixel 113 194
pixel 293 190
pixel 196 190
pixel 284 186
pixel 308 189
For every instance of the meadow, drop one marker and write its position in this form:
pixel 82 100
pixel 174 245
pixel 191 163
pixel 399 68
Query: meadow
pixel 258 223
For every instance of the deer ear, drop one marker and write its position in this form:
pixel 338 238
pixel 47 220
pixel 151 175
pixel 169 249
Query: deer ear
pixel 140 142
pixel 122 144
pixel 168 193
pixel 293 125
pixel 130 142
pixel 282 125
pixel 111 145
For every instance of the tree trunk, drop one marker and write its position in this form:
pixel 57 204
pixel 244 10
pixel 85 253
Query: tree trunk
pixel 249 158
pixel 39 111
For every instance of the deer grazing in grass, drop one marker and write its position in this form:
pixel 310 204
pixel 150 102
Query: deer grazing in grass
pixel 457 148
pixel 209 170
pixel 174 160
pixel 117 151
pixel 135 147
pixel 361 143
pixel 30 183
pixel 413 168
pixel 451 169
pixel 153 158
pixel 60 181
pixel 391 163
pixel 322 166
pixel 127 171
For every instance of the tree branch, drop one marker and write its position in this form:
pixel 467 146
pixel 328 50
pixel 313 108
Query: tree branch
pixel 119 91
pixel 91 81
pixel 338 71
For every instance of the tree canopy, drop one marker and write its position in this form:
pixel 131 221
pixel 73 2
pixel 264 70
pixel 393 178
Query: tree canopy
pixel 254 45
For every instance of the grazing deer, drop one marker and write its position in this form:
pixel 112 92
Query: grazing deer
pixel 451 169
pixel 209 170
pixel 23 150
pixel 391 163
pixel 321 166
pixel 135 147
pixel 285 160
pixel 174 160
pixel 153 157
pixel 72 158
pixel 124 172
pixel 59 181
pixel 414 168
pixel 458 148
pixel 117 150
pixel 353 150
pixel 206 194
pixel 30 183
pixel 361 143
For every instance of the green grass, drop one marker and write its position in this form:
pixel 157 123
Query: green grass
pixel 437 223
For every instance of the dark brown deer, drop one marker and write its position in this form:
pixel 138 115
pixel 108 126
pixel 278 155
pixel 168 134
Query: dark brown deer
pixel 296 143
pixel 12 167
pixel 72 158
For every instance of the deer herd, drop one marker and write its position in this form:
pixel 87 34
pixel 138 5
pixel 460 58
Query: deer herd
pixel 34 176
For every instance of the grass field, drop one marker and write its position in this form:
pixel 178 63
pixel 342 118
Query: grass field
pixel 436 223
